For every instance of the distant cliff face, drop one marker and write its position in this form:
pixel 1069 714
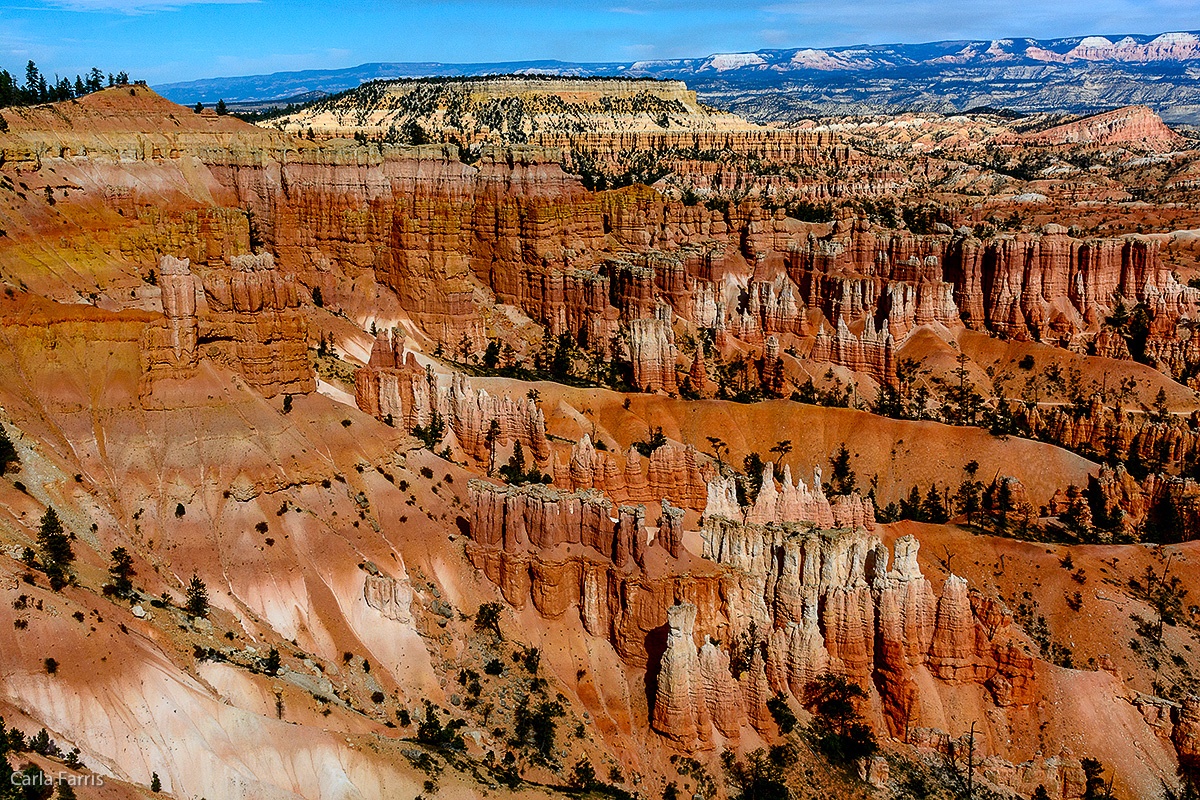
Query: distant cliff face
pixel 1019 73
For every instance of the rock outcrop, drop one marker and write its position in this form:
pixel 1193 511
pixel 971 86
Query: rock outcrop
pixel 873 352
pixel 652 352
pixel 1115 433
pixel 247 317
pixel 680 707
pixel 818 600
pixel 1186 734
pixel 393 386
pixel 678 474
pixel 256 308
pixel 477 418
pixel 832 604
pixel 169 349
pixel 788 503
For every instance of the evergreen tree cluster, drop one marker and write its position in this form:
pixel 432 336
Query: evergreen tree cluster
pixel 37 88
pixel 32 781
pixel 930 507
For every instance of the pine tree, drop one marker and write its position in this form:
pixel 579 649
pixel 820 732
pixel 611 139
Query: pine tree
pixel 199 107
pixel 155 783
pixel 197 597
pixel 842 479
pixel 910 507
pixel 33 80
pixel 6 771
pixel 933 509
pixel 273 662
pixel 65 790
pixel 8 453
pixel 55 545
pixel 121 571
pixel 1161 411
pixel 966 499
pixel 221 109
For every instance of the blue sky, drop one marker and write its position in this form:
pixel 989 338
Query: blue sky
pixel 174 40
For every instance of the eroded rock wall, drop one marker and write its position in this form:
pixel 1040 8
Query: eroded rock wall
pixel 245 316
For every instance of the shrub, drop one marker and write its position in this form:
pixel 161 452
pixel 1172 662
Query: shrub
pixel 487 618
pixel 432 732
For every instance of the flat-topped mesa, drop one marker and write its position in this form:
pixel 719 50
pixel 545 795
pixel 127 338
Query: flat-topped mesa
pixel 874 352
pixel 248 318
pixel 471 416
pixel 1130 125
pixel 788 503
pixel 675 473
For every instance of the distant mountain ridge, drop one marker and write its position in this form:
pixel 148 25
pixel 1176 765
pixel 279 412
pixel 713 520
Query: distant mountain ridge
pixel 1077 74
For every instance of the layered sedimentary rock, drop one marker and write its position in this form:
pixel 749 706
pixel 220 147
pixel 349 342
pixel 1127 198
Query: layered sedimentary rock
pixel 393 386
pixel 832 604
pixel 169 349
pixel 810 601
pixel 247 317
pixel 873 352
pixel 1115 502
pixel 652 352
pixel 1116 433
pixel 670 528
pixel 1048 286
pixel 1130 125
pixel 678 474
pixel 695 691
pixel 477 418
pixel 568 551
pixel 789 503
pixel 680 707
pixel 256 307
pixel 1186 734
